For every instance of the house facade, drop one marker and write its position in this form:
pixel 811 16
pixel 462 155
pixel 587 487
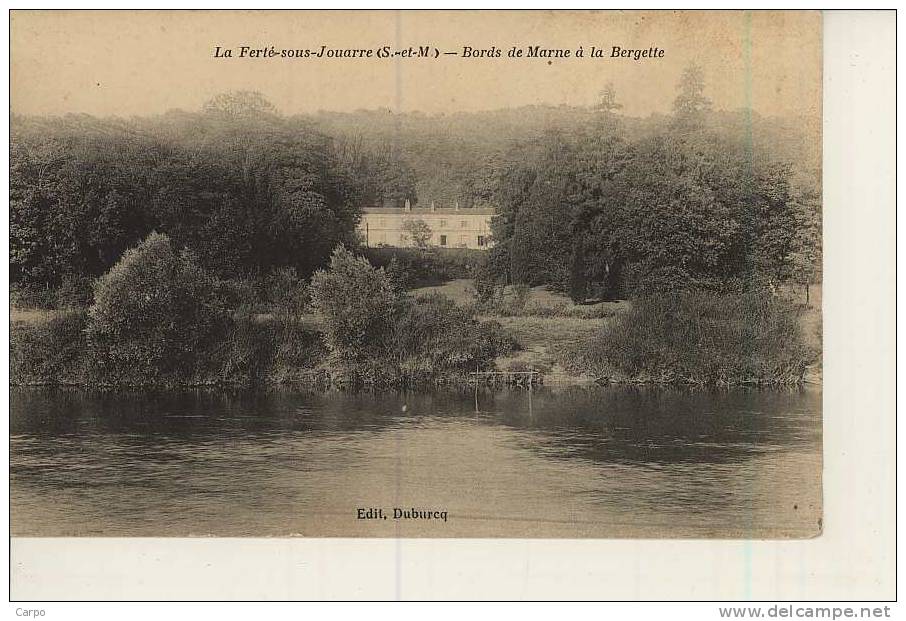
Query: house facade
pixel 449 227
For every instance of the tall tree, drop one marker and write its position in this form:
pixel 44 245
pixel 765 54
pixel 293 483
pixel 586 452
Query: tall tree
pixel 691 105
pixel 245 193
pixel 418 232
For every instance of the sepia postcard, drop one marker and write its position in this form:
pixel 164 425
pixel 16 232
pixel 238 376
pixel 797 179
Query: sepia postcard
pixel 289 287
pixel 415 274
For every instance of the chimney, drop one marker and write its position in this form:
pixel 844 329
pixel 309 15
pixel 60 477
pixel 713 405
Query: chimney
pixel 432 206
pixel 408 206
pixel 456 206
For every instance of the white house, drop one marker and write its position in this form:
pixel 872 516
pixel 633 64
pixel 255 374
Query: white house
pixel 450 227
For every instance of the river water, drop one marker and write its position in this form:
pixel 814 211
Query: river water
pixel 571 462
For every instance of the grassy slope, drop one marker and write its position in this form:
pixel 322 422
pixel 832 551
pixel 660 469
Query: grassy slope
pixel 460 291
pixel 548 342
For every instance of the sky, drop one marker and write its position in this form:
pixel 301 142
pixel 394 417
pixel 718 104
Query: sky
pixel 127 63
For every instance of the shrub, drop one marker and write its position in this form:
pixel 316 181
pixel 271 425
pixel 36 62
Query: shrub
pixel 539 309
pixel 399 277
pixel 413 267
pixel 488 291
pixel 155 314
pixel 33 296
pixel 280 291
pixel 641 279
pixel 519 297
pixel 432 334
pixel 498 341
pixel 72 292
pixel 49 352
pixel 704 338
pixel 371 373
pixel 265 350
pixel 355 301
pixel 75 292
pixel 591 311
pixel 159 319
pixel 284 292
pixel 460 262
pixel 299 348
pixel 495 299
pixel 246 354
pixel 239 294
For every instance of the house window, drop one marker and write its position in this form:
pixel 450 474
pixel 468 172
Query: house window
pixel 462 241
pixel 481 240
pixel 443 239
pixel 443 223
pixel 463 224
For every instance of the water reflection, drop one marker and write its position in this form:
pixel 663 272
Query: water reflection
pixel 663 425
pixel 546 462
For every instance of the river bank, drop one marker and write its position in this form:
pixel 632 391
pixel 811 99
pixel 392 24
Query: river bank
pixel 553 332
pixel 551 341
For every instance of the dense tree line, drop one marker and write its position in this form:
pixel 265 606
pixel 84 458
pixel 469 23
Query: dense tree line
pixel 455 157
pixel 593 197
pixel 245 190
pixel 689 205
pixel 587 197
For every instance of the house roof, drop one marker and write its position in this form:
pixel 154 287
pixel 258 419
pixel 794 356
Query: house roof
pixel 475 211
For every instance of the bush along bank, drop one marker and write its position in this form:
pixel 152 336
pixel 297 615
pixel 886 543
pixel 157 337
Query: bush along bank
pixel 378 335
pixel 159 320
pixel 703 338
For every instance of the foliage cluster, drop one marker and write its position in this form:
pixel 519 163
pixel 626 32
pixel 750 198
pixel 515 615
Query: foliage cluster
pixel 688 206
pixel 159 319
pixel 51 351
pixel 410 268
pixel 245 190
pixel 367 322
pixel 701 337
pixel 155 316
